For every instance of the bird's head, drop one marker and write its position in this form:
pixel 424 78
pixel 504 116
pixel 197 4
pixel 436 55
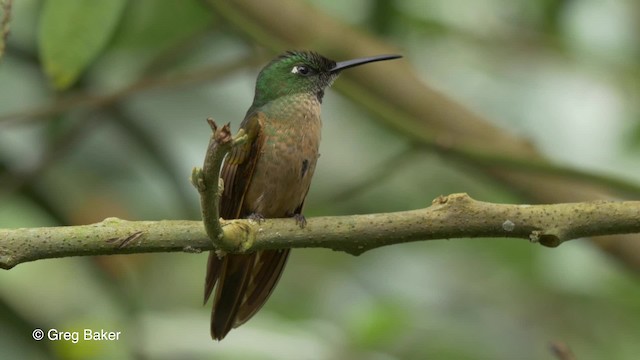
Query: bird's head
pixel 297 72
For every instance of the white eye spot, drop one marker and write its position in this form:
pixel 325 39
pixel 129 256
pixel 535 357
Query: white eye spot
pixel 300 69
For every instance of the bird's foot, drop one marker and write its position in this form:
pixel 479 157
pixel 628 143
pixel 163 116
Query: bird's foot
pixel 300 220
pixel 259 218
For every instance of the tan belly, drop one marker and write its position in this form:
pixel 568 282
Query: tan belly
pixel 284 170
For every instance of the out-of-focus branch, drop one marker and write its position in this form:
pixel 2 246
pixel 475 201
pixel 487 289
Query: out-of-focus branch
pixel 561 351
pixel 5 6
pixel 96 101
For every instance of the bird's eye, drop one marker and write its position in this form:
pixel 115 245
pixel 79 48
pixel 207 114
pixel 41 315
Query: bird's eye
pixel 301 69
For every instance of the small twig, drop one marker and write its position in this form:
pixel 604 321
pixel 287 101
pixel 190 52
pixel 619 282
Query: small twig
pixel 207 181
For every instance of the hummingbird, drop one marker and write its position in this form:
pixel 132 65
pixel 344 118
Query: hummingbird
pixel 269 175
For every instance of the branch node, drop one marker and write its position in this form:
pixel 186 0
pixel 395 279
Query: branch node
pixel 452 198
pixel 238 236
pixel 442 199
pixel 212 124
pixel 550 240
pixel 534 237
pixel 7 262
pixel 111 221
pixel 355 252
pixel 545 239
pixel 197 179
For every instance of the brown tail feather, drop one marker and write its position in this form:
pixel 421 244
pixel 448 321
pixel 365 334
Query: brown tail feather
pixel 244 283
pixel 232 283
pixel 214 264
pixel 265 278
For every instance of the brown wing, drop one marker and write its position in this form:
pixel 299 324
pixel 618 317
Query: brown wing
pixel 244 282
pixel 239 165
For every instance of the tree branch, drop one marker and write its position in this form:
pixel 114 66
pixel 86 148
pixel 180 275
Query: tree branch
pixel 452 216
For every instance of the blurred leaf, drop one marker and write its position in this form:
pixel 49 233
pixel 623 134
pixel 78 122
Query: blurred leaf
pixel 148 25
pixel 158 37
pixel 382 15
pixel 377 324
pixel 72 33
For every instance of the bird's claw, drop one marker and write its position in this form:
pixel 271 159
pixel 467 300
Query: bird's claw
pixel 300 220
pixel 259 218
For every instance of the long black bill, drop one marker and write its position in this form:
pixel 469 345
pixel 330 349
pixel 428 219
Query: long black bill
pixel 355 62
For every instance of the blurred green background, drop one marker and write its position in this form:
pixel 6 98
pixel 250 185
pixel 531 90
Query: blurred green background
pixel 102 113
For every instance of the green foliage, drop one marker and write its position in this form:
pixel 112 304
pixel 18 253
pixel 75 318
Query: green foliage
pixel 72 33
pixel 148 24
pixel 378 325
